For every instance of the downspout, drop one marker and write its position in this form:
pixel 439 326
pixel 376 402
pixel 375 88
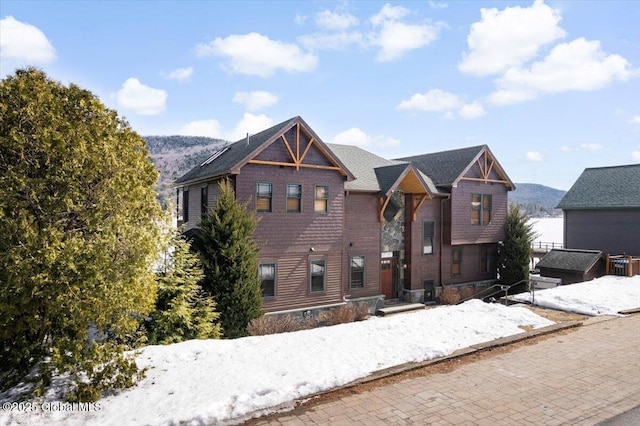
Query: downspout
pixel 441 239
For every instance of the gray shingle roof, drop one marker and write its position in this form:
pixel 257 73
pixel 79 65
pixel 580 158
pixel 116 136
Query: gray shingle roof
pixel 240 151
pixel 362 164
pixel 445 167
pixel 570 260
pixel 373 173
pixel 605 188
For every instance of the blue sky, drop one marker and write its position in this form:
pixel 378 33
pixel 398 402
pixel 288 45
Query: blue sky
pixel 552 87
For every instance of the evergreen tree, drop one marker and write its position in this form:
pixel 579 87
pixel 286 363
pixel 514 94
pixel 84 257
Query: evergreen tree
pixel 229 256
pixel 78 235
pixel 514 253
pixel 183 311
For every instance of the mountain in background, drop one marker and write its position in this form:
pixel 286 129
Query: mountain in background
pixel 176 155
pixel 537 200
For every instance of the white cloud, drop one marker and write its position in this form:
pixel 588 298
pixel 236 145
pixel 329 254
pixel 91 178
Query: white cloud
pixel 471 111
pixel 331 41
pixel 140 98
pixel 435 5
pixel 395 38
pixel 636 154
pixel 433 100
pixel 357 137
pixel 389 13
pixel 591 146
pixel 335 21
pixel 209 128
pixel 635 119
pixel 534 156
pixel 254 101
pixel 578 65
pixel 300 19
pixel 22 43
pixel 255 54
pixel 249 124
pixel 180 74
pixel 508 38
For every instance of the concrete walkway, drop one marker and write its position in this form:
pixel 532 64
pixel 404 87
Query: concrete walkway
pixel 580 377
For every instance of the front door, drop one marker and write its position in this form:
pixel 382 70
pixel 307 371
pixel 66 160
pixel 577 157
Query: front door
pixel 388 280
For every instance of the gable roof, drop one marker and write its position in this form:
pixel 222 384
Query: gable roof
pixel 231 158
pixel 374 173
pixel 570 260
pixel 446 168
pixel 616 187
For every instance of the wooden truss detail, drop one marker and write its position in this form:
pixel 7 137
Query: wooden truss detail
pixel 417 203
pixel 296 157
pixel 485 164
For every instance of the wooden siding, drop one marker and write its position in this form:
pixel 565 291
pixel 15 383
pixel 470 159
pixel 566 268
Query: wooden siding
pixel 611 231
pixel 362 237
pixel 287 238
pixel 425 266
pixel 462 231
pixel 471 264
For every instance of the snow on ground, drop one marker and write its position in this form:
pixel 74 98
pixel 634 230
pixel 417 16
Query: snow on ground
pixel 602 296
pixel 207 381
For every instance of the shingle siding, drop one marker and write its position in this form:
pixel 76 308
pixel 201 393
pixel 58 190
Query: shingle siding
pixel 611 231
pixel 463 232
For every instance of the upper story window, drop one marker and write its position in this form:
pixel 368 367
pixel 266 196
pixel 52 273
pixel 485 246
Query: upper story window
pixel 267 275
pixel 480 209
pixel 204 201
pixel 456 261
pixel 321 203
pixel 427 237
pixel 356 272
pixel 317 272
pixel 294 198
pixel 264 197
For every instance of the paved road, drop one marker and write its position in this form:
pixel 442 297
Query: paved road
pixel 580 377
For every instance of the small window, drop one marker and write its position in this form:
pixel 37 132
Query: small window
pixel 427 237
pixel 356 272
pixel 204 201
pixel 456 261
pixel 185 206
pixel 484 259
pixel 480 209
pixel 264 196
pixel 267 275
pixel 321 204
pixel 294 198
pixel 317 272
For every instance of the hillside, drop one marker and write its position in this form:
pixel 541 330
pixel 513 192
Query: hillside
pixel 176 155
pixel 537 200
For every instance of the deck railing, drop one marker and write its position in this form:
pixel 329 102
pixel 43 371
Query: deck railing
pixel 539 246
pixel 622 265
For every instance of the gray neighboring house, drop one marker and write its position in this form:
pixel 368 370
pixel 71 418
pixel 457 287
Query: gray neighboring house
pixel 602 211
pixel 572 266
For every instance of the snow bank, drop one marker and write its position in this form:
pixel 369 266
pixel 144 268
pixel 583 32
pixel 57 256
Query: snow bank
pixel 207 381
pixel 602 296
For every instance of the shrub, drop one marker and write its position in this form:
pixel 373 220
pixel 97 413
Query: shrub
pixel 274 324
pixel 348 313
pixel 453 295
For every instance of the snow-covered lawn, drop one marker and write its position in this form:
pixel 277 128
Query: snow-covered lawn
pixel 207 381
pixel 603 296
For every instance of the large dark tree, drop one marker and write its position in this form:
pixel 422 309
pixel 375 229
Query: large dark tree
pixel 78 235
pixel 229 256
pixel 514 253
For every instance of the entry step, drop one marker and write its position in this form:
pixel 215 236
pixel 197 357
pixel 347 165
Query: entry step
pixel 402 307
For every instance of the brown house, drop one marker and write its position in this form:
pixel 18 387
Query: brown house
pixel 340 224
pixel 602 210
